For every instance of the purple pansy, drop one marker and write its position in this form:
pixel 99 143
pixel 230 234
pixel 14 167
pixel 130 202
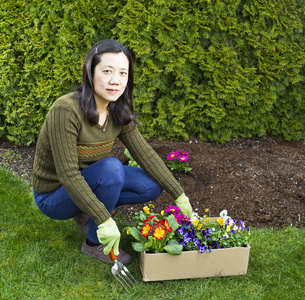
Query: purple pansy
pixel 201 248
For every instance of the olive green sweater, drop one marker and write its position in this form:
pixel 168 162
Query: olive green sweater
pixel 68 143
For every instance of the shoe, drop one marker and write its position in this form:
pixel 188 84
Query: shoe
pixel 98 253
pixel 82 222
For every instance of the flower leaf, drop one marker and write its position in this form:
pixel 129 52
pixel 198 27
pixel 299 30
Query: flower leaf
pixel 173 242
pixel 139 247
pixel 173 222
pixel 151 244
pixel 136 234
pixel 173 249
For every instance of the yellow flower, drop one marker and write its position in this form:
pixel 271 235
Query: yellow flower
pixel 162 213
pixel 228 228
pixel 207 219
pixel 199 226
pixel 159 233
pixel 146 230
pixel 220 221
pixel 206 210
pixel 146 209
pixel 195 222
pixel 151 205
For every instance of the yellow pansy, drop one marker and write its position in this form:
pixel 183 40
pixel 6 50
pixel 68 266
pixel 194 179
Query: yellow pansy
pixel 146 209
pixel 220 221
pixel 195 222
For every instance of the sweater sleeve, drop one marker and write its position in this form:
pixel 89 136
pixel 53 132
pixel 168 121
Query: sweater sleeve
pixel 62 128
pixel 149 160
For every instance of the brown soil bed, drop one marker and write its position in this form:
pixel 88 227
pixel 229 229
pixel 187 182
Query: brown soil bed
pixel 260 181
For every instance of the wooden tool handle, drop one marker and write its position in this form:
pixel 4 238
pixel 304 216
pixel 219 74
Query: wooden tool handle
pixel 112 256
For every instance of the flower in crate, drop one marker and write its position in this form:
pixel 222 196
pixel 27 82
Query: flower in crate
pixel 146 209
pixel 154 232
pixel 146 229
pixel 172 232
pixel 178 161
pixel 159 233
pixel 172 209
pixel 223 213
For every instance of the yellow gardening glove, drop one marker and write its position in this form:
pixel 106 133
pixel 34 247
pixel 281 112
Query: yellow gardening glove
pixel 184 204
pixel 108 234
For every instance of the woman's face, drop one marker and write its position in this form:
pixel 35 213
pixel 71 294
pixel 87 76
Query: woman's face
pixel 110 78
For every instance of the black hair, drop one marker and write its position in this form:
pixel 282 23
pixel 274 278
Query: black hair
pixel 121 111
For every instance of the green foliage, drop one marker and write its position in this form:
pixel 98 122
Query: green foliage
pixel 131 161
pixel 217 69
pixel 43 45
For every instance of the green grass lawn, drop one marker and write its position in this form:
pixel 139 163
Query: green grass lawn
pixel 40 258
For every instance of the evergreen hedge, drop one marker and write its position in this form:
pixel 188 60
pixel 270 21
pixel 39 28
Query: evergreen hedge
pixel 218 69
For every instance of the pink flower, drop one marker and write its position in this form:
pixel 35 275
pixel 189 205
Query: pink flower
pixel 181 217
pixel 178 218
pixel 185 217
pixel 183 158
pixel 183 153
pixel 172 209
pixel 172 155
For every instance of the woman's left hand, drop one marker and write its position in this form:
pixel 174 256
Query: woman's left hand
pixel 184 204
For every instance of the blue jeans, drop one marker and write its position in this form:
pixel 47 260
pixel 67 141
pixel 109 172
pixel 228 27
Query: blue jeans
pixel 113 184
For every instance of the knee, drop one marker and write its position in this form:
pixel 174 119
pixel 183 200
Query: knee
pixel 156 190
pixel 112 163
pixel 153 189
pixel 113 171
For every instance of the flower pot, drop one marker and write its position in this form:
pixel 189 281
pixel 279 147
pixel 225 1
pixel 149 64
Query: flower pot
pixel 192 264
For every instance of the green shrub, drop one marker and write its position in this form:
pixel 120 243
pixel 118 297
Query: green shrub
pixel 217 69
pixel 43 45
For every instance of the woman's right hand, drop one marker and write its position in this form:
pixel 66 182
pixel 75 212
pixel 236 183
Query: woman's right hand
pixel 109 235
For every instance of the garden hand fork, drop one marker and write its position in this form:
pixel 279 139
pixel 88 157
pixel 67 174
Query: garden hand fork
pixel 121 273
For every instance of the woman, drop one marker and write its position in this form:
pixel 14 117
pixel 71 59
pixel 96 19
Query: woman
pixel 73 175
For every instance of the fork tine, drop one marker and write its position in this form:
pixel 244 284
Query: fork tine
pixel 131 278
pixel 117 277
pixel 127 281
pixel 125 276
pixel 121 276
pixel 126 272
